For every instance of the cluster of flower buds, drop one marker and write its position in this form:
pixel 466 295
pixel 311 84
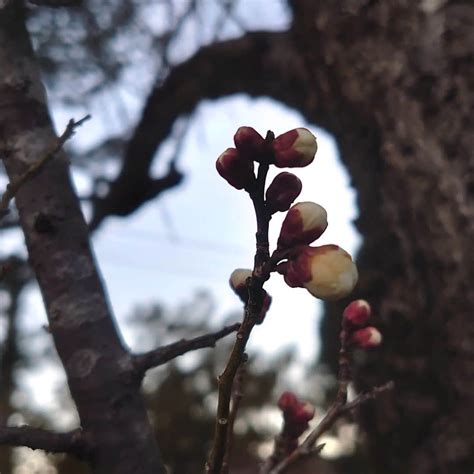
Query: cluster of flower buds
pixel 328 271
pixel 296 415
pixel 295 148
pixel 238 283
pixel 355 318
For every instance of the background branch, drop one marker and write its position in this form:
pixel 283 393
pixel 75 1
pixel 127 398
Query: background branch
pixel 337 410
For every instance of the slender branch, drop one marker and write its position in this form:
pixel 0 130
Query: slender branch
pixel 35 168
pixel 336 411
pixel 251 314
pixel 161 355
pixel 237 394
pixel 72 442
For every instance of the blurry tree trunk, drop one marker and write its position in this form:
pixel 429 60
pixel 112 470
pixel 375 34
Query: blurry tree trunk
pixel 100 372
pixel 394 83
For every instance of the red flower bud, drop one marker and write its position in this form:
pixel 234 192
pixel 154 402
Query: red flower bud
pixel 295 148
pixel 303 224
pixel 357 313
pixel 249 143
pixel 304 413
pixel 327 272
pixel 367 337
pixel 235 169
pixel 283 190
pixel 288 401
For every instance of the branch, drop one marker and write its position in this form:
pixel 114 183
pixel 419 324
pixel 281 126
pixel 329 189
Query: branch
pixel 260 64
pixel 253 308
pixel 237 394
pixel 72 442
pixel 161 355
pixel 336 411
pixel 14 186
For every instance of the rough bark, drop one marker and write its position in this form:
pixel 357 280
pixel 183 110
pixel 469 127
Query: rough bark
pixel 395 80
pixel 99 369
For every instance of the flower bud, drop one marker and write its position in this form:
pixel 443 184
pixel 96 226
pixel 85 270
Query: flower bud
pixel 285 188
pixel 304 412
pixel 357 313
pixel 249 143
pixel 303 224
pixel 295 148
pixel 327 272
pixel 235 169
pixel 367 337
pixel 287 401
pixel 238 282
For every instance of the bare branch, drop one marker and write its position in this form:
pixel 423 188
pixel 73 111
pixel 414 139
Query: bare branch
pixel 337 410
pixel 161 355
pixel 237 394
pixel 35 168
pixel 72 442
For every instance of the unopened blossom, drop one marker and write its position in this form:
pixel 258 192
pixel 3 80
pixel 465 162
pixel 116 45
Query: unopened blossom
pixel 367 337
pixel 327 272
pixel 283 190
pixel 295 148
pixel 249 143
pixel 357 313
pixel 296 415
pixel 236 169
pixel 303 224
pixel 238 282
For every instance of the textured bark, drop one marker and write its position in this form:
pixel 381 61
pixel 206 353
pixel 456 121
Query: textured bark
pixel 99 369
pixel 394 80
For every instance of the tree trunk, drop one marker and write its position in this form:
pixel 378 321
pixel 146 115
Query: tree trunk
pixel 100 374
pixel 393 80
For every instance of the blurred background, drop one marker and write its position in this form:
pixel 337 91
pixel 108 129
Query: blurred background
pixel 167 83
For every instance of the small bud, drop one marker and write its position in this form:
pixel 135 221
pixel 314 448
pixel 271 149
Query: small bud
pixel 285 188
pixel 327 272
pixel 357 313
pixel 304 412
pixel 367 337
pixel 303 224
pixel 249 143
pixel 238 282
pixel 235 169
pixel 288 401
pixel 295 148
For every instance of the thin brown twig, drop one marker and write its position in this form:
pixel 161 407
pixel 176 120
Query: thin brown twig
pixel 161 355
pixel 253 307
pixel 338 409
pixel 237 394
pixel 36 167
